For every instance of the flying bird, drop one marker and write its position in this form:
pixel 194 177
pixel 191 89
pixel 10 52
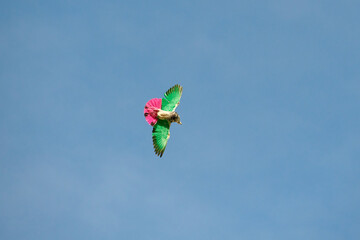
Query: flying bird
pixel 160 113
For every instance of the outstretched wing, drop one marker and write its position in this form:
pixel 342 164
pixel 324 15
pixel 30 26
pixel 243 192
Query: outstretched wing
pixel 160 136
pixel 171 98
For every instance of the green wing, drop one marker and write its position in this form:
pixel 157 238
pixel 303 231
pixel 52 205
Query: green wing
pixel 160 136
pixel 171 98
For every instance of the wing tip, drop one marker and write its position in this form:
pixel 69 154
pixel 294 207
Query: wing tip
pixel 178 86
pixel 157 149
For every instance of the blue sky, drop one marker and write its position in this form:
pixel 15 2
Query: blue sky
pixel 270 142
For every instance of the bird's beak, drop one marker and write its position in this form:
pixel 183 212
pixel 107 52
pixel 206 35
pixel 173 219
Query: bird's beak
pixel 180 123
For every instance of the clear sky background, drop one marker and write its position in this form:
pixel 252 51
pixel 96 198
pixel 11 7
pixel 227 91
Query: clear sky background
pixel 270 142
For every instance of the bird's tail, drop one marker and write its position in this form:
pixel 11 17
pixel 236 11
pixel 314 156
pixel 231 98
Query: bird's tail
pixel 151 109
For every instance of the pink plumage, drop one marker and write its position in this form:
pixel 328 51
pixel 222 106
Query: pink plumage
pixel 151 109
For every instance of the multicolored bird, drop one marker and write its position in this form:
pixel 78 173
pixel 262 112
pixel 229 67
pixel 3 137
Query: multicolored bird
pixel 160 113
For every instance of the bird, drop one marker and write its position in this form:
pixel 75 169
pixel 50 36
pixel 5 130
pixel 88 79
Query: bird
pixel 160 113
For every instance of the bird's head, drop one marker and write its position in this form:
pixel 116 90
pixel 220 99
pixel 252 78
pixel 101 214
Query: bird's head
pixel 177 118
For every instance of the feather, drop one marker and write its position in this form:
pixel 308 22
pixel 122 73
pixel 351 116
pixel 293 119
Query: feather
pixel 160 136
pixel 171 98
pixel 151 109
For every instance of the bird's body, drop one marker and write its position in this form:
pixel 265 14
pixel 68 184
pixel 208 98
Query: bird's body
pixel 167 115
pixel 160 113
